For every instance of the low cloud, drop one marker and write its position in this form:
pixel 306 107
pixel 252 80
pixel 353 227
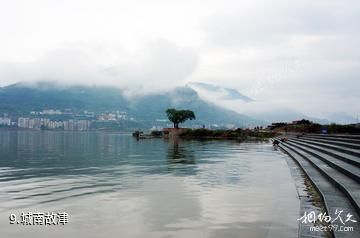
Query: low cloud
pixel 159 65
pixel 304 55
pixel 271 23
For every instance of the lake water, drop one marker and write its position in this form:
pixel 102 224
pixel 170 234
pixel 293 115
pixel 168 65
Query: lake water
pixel 114 186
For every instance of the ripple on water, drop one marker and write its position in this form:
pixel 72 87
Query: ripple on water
pixel 110 182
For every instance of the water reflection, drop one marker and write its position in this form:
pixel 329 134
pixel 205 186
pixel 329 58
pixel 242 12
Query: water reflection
pixel 154 188
pixel 181 160
pixel 178 153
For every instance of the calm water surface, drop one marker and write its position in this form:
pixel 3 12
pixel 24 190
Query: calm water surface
pixel 113 186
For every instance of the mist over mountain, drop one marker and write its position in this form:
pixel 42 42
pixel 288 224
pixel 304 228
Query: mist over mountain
pixel 147 110
pixel 229 96
pixel 233 99
pixel 341 117
pixel 18 99
pixel 286 115
pixel 219 92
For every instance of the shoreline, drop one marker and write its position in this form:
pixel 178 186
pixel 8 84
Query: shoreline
pixel 45 130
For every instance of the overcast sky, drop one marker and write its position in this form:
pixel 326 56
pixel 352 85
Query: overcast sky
pixel 301 54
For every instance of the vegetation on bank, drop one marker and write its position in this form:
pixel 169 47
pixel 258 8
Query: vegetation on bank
pixel 242 134
pixel 306 126
pixel 342 129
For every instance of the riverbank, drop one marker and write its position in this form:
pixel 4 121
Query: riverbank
pixel 238 134
pixel 305 126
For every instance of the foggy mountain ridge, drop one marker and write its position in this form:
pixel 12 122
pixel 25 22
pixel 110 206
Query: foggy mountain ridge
pixel 21 99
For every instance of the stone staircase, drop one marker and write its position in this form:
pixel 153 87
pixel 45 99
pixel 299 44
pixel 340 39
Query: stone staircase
pixel 332 164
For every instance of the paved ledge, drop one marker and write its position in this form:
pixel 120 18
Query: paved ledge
pixel 333 169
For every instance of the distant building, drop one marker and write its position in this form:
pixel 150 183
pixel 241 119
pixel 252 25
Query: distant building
pixel 23 122
pixel 5 121
pixel 44 123
pixel 51 112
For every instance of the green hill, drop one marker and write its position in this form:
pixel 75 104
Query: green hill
pixel 19 100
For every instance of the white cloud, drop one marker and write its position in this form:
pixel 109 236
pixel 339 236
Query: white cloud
pixel 159 65
pixel 277 52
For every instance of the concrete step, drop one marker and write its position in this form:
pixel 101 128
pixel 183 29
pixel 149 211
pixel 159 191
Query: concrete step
pixel 354 141
pixel 345 136
pixel 347 185
pixel 342 166
pixel 333 147
pixel 332 197
pixel 354 160
pixel 334 142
